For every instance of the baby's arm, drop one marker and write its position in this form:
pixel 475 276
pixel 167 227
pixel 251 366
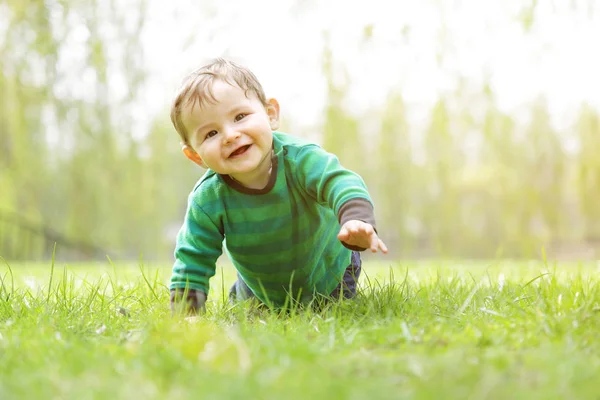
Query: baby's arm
pixel 199 244
pixel 343 190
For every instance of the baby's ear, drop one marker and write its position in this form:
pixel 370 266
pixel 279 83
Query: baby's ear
pixel 192 155
pixel 272 108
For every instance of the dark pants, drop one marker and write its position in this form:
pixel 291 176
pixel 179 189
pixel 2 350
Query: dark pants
pixel 346 288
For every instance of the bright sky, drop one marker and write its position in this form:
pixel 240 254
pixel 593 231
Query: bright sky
pixel 282 42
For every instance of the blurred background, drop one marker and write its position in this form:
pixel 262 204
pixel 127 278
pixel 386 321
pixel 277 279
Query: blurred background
pixel 476 124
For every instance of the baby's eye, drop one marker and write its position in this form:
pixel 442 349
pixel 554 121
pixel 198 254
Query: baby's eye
pixel 240 117
pixel 211 134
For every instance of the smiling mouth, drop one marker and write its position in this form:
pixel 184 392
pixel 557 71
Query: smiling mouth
pixel 240 151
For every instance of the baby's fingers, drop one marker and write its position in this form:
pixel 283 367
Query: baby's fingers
pixel 377 244
pixel 374 243
pixel 382 246
pixel 343 234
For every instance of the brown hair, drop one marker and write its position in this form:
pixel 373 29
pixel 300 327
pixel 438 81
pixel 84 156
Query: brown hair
pixel 196 88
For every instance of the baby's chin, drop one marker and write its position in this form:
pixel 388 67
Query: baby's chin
pixel 239 170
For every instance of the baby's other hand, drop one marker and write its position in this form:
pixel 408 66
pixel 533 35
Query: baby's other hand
pixel 360 234
pixel 193 304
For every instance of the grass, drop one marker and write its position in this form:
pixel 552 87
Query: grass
pixel 425 330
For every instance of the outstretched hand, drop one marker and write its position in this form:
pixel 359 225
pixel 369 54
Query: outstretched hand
pixel 360 234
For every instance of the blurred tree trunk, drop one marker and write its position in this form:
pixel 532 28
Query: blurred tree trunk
pixel 588 167
pixel 391 180
pixel 340 128
pixel 440 208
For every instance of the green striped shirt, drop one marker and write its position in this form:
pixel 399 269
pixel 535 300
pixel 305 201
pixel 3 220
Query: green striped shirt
pixel 280 238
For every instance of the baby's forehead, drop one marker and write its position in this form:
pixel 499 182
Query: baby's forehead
pixel 228 86
pixel 218 91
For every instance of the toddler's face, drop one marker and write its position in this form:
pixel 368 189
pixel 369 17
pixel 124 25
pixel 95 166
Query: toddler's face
pixel 234 135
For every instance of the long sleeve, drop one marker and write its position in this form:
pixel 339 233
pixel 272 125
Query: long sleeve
pixel 324 178
pixel 332 185
pixel 199 244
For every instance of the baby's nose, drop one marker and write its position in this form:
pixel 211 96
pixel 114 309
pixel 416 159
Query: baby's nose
pixel 230 135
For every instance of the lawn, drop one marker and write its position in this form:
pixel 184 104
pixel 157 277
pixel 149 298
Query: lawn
pixel 425 330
